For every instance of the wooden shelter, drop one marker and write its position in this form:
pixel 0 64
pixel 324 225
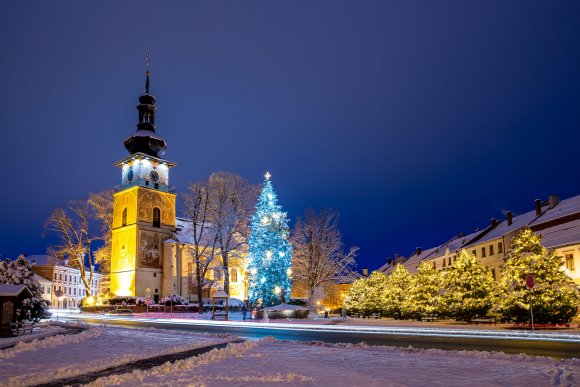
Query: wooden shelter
pixel 218 296
pixel 11 297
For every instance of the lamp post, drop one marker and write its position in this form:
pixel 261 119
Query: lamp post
pixel 58 295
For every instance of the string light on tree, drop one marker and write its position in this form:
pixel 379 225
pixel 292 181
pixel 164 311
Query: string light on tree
pixel 270 251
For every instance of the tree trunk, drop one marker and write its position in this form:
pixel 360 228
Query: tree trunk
pixel 226 262
pixel 199 286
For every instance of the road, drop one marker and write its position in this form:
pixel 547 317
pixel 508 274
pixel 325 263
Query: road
pixel 554 345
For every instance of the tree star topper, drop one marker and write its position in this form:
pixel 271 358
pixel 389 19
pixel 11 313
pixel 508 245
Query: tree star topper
pixel 267 175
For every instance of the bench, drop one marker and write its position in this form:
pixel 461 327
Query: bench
pixel 376 316
pixel 484 320
pixel 429 317
pixel 21 327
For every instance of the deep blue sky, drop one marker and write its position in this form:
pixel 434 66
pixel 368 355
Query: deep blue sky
pixel 415 120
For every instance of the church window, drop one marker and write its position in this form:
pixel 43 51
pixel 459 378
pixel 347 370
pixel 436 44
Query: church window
pixel 490 249
pixel 217 275
pixel 124 217
pixel 474 252
pixel 483 252
pixel 500 247
pixel 156 217
pixel 234 275
pixel 569 261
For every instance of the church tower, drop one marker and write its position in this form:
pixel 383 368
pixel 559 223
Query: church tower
pixel 144 208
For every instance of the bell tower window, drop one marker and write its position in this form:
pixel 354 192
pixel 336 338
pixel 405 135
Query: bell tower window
pixel 156 217
pixel 124 217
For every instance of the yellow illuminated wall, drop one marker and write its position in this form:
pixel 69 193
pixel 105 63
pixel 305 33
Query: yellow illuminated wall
pixel 137 203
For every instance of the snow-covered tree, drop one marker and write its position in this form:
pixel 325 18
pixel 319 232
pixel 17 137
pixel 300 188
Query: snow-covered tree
pixel 77 227
pixel 319 260
pixel 202 245
pixel 554 298
pixel 468 288
pixel 102 210
pixel 231 200
pixel 367 295
pixel 19 272
pixel 424 293
pixel 398 284
pixel 270 251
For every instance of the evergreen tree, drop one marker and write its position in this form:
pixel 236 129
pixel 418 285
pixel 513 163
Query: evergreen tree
pixel 554 298
pixel 270 252
pixel 424 293
pixel 468 288
pixel 367 295
pixel 20 272
pixel 398 284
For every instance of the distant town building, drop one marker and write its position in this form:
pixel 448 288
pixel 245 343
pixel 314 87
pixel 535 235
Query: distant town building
pixel 64 278
pixel 558 222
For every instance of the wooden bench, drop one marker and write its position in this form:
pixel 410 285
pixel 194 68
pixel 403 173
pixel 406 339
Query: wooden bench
pixel 375 316
pixel 21 327
pixel 429 317
pixel 485 320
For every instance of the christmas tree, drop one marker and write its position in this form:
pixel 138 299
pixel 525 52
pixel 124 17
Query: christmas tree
pixel 424 294
pixel 398 284
pixel 554 297
pixel 469 288
pixel 270 252
pixel 367 295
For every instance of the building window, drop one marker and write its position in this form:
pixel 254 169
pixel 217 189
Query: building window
pixel 75 291
pixel 234 275
pixel 55 276
pixel 449 261
pixel 60 276
pixel 154 274
pixel 434 265
pixel 482 252
pixel 493 274
pixel 500 247
pixel 217 275
pixel 156 217
pixel 124 217
pixel 570 262
pixel 474 253
pixel 490 249
pixel 42 289
pixel 48 290
pixel 443 263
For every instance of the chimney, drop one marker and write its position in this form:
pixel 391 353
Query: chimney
pixel 553 200
pixel 509 217
pixel 538 204
pixel 389 260
pixel 418 251
pixel 493 221
pixel 365 272
pixel 396 256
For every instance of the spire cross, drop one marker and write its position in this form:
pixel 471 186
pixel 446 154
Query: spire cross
pixel 267 175
pixel 148 58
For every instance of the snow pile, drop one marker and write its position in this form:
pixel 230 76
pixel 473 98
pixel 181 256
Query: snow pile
pixel 271 361
pixel 151 376
pixel 40 332
pixel 49 342
pixel 93 350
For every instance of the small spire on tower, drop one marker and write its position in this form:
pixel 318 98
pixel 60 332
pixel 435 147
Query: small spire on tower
pixel 147 74
pixel 267 176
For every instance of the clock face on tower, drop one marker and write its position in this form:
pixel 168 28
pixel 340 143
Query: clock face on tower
pixel 154 176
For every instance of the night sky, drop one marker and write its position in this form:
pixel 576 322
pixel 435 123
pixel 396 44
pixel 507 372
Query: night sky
pixel 414 120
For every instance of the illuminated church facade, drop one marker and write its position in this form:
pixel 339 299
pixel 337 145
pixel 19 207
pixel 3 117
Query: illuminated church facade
pixel 149 244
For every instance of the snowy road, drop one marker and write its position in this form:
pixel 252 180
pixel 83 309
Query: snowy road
pixel 558 345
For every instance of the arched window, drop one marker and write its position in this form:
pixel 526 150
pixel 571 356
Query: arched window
pixel 234 276
pixel 124 217
pixel 156 217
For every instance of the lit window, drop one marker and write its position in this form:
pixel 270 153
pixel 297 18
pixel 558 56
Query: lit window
pixel 234 275
pixel 570 262
pixel 156 217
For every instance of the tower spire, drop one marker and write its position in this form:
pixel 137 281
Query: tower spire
pixel 147 74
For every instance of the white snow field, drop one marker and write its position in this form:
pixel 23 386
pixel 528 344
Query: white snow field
pixel 96 348
pixel 269 362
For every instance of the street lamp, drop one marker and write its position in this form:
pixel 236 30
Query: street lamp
pixel 58 295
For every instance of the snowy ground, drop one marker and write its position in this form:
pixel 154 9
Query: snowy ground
pixel 269 362
pixel 40 331
pixel 96 348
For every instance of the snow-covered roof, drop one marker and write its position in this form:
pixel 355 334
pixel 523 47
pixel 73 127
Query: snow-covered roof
pixel 502 228
pixel 12 290
pixel 43 260
pixel 565 208
pixel 184 232
pixel 564 234
pixel 40 278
